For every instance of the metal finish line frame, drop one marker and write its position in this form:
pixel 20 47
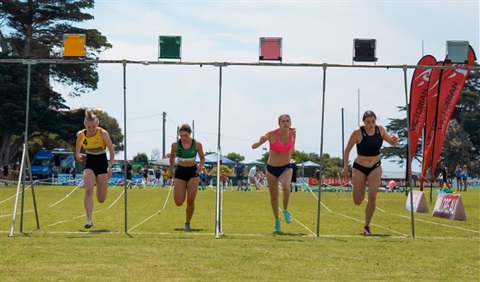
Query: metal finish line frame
pixel 324 66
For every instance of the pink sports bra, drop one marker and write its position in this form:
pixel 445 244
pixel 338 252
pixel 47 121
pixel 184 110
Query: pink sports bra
pixel 278 147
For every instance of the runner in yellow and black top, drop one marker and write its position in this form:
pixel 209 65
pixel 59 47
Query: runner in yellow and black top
pixel 186 175
pixel 94 140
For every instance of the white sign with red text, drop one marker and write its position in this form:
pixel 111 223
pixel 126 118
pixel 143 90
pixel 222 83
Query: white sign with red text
pixel 449 206
pixel 419 202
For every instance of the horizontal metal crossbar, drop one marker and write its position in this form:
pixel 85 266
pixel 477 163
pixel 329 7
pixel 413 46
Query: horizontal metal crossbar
pixel 225 64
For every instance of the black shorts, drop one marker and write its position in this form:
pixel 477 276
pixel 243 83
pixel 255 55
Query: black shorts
pixel 97 163
pixel 186 172
pixel 366 170
pixel 278 170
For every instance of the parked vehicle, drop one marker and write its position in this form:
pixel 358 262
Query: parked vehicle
pixel 44 161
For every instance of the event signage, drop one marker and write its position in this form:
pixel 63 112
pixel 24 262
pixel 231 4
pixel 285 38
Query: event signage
pixel 449 206
pixel 419 202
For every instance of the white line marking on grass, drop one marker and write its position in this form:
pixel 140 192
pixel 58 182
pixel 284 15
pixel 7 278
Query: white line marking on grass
pixel 320 201
pixel 18 213
pixel 242 235
pixel 376 207
pixel 56 223
pixel 313 233
pixel 13 196
pixel 441 224
pixel 376 225
pixel 61 200
pixel 156 213
pixel 229 235
pixel 83 215
pixel 118 198
pixel 301 224
pixel 352 218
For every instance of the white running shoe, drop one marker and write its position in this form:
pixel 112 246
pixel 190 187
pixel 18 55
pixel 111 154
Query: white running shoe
pixel 89 224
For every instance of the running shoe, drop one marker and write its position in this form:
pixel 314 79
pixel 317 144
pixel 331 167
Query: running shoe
pixel 288 217
pixel 89 224
pixel 366 231
pixel 187 225
pixel 277 225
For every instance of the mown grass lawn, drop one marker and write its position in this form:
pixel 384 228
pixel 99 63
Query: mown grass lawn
pixel 156 246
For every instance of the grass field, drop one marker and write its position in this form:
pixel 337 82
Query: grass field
pixel 158 248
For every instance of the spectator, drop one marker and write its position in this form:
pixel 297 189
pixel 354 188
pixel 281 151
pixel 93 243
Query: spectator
pixel 294 175
pixel 158 175
pixel 444 176
pixel 55 175
pixel 5 173
pixel 203 178
pixel 392 185
pixel 165 177
pixel 223 180
pixel 465 177
pixel 128 183
pixel 251 177
pixel 6 167
pixel 74 175
pixel 458 176
pixel 239 168
pixel 145 176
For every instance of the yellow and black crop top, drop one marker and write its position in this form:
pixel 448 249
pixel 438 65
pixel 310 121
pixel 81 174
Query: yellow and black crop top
pixel 93 144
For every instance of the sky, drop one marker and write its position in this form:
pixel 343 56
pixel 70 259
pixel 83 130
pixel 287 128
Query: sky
pixel 252 97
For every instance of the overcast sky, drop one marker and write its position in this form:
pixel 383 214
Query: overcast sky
pixel 253 97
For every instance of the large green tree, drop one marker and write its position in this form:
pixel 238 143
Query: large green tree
pixel 34 30
pixel 73 122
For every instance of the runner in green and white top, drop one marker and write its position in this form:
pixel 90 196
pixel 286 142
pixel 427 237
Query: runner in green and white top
pixel 185 149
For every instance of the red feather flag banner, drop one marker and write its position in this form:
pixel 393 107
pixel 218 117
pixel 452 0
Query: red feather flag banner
pixel 442 99
pixel 432 94
pixel 418 103
pixel 451 86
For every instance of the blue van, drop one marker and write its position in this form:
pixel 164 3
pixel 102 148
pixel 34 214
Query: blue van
pixel 44 161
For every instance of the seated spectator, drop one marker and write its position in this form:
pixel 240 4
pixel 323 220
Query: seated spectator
pixel 223 180
pixel 251 177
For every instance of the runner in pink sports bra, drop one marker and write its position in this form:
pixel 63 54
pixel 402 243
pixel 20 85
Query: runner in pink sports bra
pixel 279 168
pixel 279 147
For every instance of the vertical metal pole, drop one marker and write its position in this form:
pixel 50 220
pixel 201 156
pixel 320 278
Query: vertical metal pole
pixel 218 214
pixel 125 159
pixel 408 151
pixel 22 167
pixel 358 109
pixel 343 136
pixel 163 139
pixel 28 168
pixel 24 160
pixel 321 152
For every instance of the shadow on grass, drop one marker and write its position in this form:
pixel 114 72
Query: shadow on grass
pixel 377 235
pixel 94 231
pixel 191 229
pixel 280 233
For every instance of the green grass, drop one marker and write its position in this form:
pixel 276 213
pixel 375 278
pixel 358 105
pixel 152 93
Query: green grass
pixel 158 248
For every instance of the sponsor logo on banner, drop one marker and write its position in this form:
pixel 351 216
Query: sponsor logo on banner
pixel 449 206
